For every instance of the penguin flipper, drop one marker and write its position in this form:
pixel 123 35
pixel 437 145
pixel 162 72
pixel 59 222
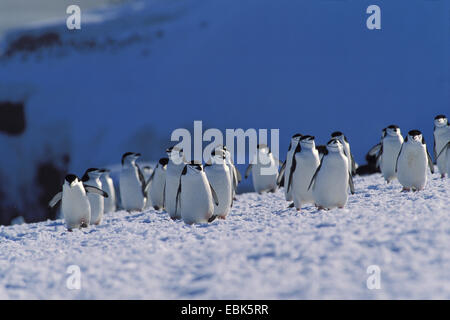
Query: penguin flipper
pixel 374 151
pixel 315 173
pixel 430 162
pixel 442 151
pixel 353 164
pixel 91 189
pixel 350 182
pixel 281 174
pixel 213 217
pixel 238 174
pixel 293 166
pixel 214 195
pixel 247 171
pixel 434 150
pixel 57 198
pixel 144 184
pixel 398 156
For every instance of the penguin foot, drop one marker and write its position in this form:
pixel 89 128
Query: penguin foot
pixel 83 224
pixel 298 209
pixel 70 230
pixel 222 218
pixel 156 208
pixel 442 175
pixel 406 190
pixel 341 207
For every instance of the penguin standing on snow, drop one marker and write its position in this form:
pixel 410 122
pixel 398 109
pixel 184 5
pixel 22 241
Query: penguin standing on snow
pixel 264 170
pixel 235 175
pixel 108 187
pixel 218 174
pixel 75 205
pixel 387 151
pixel 196 195
pixel 441 135
pixel 173 172
pixel 133 187
pixel 157 184
pixel 344 141
pixel 412 162
pixel 283 177
pixel 304 164
pixel 92 178
pixel 332 178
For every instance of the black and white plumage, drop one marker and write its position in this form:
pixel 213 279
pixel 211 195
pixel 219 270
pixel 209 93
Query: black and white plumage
pixel 75 204
pixel 196 195
pixel 346 146
pixel 264 169
pixel 133 187
pixel 304 164
pixel 387 151
pixel 413 162
pixel 218 174
pixel 173 172
pixel 332 178
pixel 283 177
pixel 157 184
pixel 441 134
pixel 92 178
pixel 110 204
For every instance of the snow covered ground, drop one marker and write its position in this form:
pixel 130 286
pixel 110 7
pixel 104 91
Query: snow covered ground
pixel 263 250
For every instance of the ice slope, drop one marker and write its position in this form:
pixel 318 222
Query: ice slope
pixel 263 250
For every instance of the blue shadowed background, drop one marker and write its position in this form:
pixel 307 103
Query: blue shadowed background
pixel 137 70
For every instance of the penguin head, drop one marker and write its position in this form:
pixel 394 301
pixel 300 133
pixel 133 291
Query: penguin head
pixel 163 162
pixel 91 173
pixel 392 130
pixel 104 172
pixel 192 167
pixel 339 135
pixel 440 120
pixel 295 139
pixel 130 157
pixel 218 156
pixel 263 148
pixel 334 145
pixel 175 154
pixel 71 180
pixel 307 142
pixel 415 136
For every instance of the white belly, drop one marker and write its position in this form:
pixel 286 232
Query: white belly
pixel 131 190
pixel 110 202
pixel 307 163
pixel 331 184
pixel 412 167
pixel 173 174
pixel 75 207
pixel 196 199
pixel 391 148
pixel 219 178
pixel 287 169
pixel 96 202
pixel 157 188
pixel 441 136
pixel 265 176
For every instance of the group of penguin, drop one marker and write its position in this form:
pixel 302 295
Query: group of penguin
pixel 319 175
